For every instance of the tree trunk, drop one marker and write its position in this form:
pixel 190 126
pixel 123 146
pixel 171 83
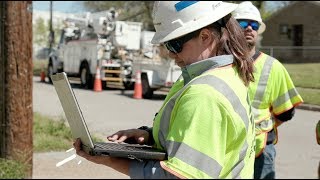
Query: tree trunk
pixel 16 82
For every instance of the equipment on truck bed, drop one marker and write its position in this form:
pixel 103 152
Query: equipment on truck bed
pixel 118 48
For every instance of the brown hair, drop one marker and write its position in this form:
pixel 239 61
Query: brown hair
pixel 231 40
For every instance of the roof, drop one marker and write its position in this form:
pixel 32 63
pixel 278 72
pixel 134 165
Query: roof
pixel 317 3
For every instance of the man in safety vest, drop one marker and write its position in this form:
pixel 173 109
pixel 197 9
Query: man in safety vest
pixel 273 93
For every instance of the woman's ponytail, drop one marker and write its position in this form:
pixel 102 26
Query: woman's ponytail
pixel 232 41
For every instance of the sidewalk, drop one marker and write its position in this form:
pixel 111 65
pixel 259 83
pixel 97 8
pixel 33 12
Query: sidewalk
pixel 44 167
pixel 309 107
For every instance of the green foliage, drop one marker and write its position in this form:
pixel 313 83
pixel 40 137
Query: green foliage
pixel 141 11
pixel 52 135
pixel 10 169
pixel 40 33
pixel 39 65
pixel 137 11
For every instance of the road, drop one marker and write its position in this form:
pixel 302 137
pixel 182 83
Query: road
pixel 106 112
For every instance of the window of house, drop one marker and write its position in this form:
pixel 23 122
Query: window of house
pixel 283 28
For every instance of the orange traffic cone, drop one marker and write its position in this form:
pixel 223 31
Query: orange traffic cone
pixel 138 86
pixel 97 81
pixel 42 76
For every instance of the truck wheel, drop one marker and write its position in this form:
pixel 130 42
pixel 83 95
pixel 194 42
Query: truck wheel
pixel 104 85
pixel 50 72
pixel 86 77
pixel 128 85
pixel 147 92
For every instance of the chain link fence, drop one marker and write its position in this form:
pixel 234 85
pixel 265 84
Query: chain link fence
pixel 293 54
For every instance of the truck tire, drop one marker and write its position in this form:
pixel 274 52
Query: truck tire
pixel 86 77
pixel 104 85
pixel 50 72
pixel 128 85
pixel 147 92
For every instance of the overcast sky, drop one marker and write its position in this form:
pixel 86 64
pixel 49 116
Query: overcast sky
pixel 62 6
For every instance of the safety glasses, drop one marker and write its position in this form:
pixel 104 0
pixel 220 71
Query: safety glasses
pixel 175 45
pixel 245 23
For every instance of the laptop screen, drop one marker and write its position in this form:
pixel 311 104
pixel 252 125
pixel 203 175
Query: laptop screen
pixel 71 109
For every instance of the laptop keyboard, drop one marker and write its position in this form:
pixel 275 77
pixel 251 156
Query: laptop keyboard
pixel 122 147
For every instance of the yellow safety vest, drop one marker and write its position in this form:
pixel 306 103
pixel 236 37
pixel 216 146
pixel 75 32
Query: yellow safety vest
pixel 206 127
pixel 272 93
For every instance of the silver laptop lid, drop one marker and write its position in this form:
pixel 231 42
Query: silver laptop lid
pixel 72 110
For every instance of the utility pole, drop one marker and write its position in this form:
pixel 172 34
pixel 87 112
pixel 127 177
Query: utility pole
pixel 51 32
pixel 16 82
pixel 3 63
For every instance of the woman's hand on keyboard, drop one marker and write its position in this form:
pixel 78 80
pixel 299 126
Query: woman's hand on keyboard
pixel 131 136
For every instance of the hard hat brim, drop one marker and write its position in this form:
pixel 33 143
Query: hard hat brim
pixel 225 9
pixel 262 28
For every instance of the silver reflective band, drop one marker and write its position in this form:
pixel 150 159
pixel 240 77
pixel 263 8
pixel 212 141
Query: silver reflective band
pixel 262 84
pixel 285 97
pixel 192 156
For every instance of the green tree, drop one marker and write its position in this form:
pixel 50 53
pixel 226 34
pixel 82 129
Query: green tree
pixel 40 33
pixel 139 11
pixel 56 27
pixel 57 30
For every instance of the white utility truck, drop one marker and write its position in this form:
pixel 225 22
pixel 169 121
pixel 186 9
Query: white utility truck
pixel 97 43
pixel 158 71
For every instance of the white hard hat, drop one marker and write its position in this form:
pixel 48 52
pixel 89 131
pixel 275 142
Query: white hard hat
pixel 173 19
pixel 246 10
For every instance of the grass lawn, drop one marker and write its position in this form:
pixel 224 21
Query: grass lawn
pixel 11 169
pixel 306 78
pixel 305 75
pixel 310 96
pixel 52 135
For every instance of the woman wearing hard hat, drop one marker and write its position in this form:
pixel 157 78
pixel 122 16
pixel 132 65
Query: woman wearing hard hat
pixel 205 124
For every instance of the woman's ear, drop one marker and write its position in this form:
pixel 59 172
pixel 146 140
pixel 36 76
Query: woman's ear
pixel 206 36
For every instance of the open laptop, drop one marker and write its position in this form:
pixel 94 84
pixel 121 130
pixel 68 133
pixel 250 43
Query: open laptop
pixel 79 128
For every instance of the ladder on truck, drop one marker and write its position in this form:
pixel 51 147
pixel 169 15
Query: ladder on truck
pixel 113 77
pixel 113 70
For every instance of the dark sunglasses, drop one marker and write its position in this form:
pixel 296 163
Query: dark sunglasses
pixel 245 23
pixel 175 45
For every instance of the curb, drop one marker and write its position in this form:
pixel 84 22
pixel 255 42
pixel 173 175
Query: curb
pixel 309 107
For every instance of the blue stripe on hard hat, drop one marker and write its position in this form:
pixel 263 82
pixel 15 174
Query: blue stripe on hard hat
pixel 183 4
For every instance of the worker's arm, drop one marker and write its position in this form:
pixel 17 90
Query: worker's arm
pixel 133 168
pixel 118 164
pixel 283 117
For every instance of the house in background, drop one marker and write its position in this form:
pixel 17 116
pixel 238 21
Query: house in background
pixel 293 33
